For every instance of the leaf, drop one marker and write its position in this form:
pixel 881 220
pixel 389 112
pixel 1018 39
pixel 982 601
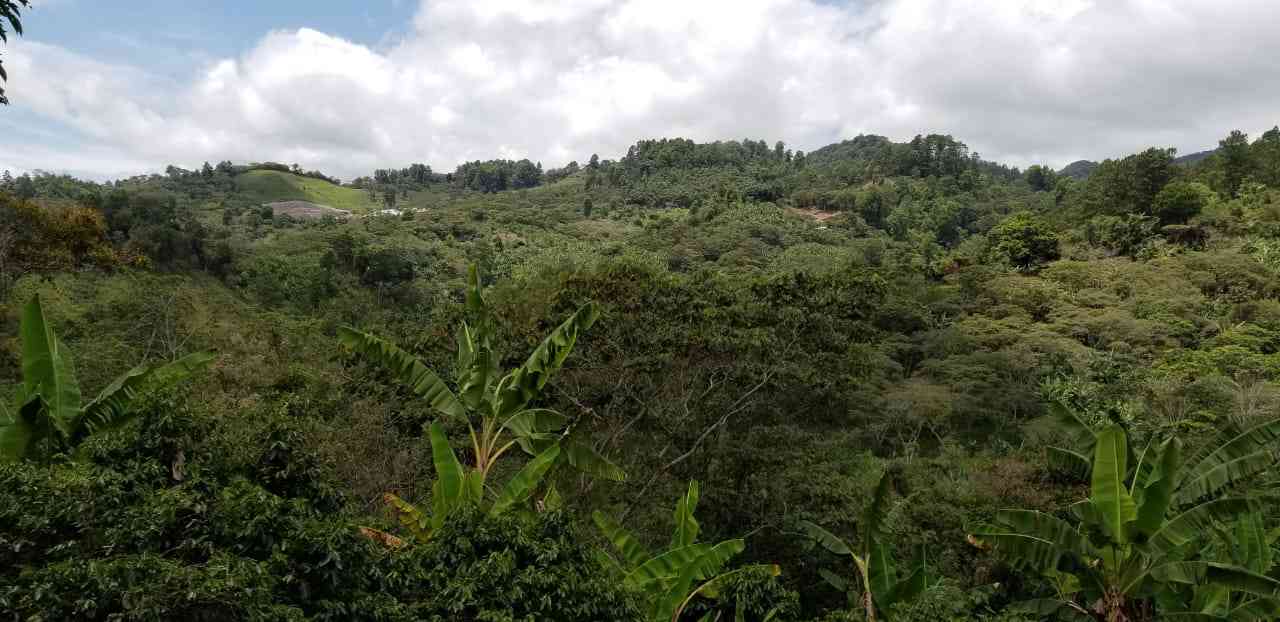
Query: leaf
pixel 1110 498
pixel 1237 455
pixel 526 382
pixel 678 594
pixel 1257 609
pixel 1251 541
pixel 535 421
pixel 114 405
pixel 632 551
pixel 1195 522
pixel 666 565
pixel 479 372
pixel 873 515
pixel 409 516
pixel 1034 539
pixel 20 433
pixel 836 581
pixel 1158 492
pixel 449 476
pixel 585 459
pixel 686 531
pixel 47 368
pixel 381 537
pixel 1212 480
pixel 521 486
pixel 712 588
pixel 880 573
pixel 405 368
pixel 1206 573
pixel 827 539
pixel 1066 461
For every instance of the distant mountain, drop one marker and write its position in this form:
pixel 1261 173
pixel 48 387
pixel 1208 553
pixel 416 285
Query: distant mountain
pixel 1080 169
pixel 1192 158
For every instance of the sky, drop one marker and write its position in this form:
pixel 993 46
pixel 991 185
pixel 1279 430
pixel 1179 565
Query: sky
pixel 111 89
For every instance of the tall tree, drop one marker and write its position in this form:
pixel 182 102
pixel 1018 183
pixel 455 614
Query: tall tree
pixel 11 11
pixel 1234 151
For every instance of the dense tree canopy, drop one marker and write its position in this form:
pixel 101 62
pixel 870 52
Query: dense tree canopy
pixel 894 370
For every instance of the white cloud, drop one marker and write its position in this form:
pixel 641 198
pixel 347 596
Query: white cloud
pixel 1019 80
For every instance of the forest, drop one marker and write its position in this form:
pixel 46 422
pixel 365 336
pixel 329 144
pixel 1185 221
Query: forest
pixel 703 381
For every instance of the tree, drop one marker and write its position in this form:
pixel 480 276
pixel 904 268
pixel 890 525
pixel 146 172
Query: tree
pixel 1266 157
pixel 49 414
pixel 11 11
pixel 1041 178
pixel 1135 546
pixel 1023 241
pixel 1234 154
pixel 877 588
pixel 1179 201
pixel 586 207
pixel 495 409
pixel 672 579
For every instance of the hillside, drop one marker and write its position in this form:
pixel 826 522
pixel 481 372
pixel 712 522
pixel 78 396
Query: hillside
pixel 265 186
pixel 953 339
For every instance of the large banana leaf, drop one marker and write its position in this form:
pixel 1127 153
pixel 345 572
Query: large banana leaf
pixel 448 490
pixel 1202 573
pixel 827 539
pixel 1195 523
pixel 114 405
pixel 680 591
pixel 535 421
pixel 874 514
pixel 1203 483
pixel 406 368
pixel 1208 467
pixel 477 370
pixel 47 368
pixel 714 586
pixel 585 459
pixel 526 382
pixel 1073 463
pixel 21 431
pixel 1110 497
pixel 521 486
pixel 686 531
pixel 1036 539
pixel 632 551
pixel 1157 493
pixel 1252 548
pixel 880 573
pixel 1256 609
pixel 665 566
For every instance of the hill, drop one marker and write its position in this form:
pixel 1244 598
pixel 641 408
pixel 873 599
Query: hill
pixel 1080 169
pixel 265 186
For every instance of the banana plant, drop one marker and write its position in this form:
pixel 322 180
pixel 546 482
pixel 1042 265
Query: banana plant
pixel 1137 543
pixel 876 586
pixel 49 412
pixel 686 570
pixel 1246 544
pixel 496 410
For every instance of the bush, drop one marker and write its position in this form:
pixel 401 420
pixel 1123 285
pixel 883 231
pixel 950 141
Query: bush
pixel 1024 241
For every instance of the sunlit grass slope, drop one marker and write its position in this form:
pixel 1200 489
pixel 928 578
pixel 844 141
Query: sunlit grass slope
pixel 267 186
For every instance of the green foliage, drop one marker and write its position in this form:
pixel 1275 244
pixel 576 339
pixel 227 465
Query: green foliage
pixel 1023 241
pixel 673 579
pixel 1131 546
pixel 876 586
pixel 49 416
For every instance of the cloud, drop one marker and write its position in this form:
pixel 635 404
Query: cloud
pixel 1020 80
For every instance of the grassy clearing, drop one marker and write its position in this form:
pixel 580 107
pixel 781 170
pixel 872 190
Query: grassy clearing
pixel 267 186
